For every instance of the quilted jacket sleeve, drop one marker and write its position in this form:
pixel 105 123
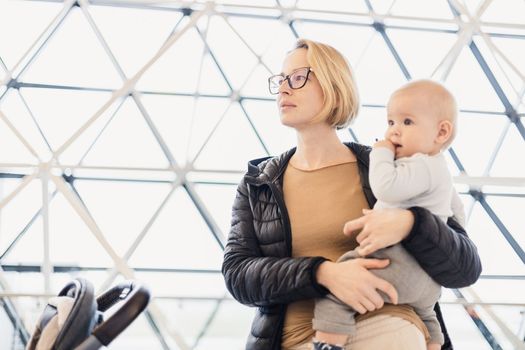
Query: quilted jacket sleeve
pixel 444 251
pixel 255 280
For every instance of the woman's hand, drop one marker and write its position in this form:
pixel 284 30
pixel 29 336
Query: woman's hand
pixel 380 228
pixel 352 283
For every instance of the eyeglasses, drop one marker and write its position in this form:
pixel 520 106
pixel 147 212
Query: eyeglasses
pixel 296 80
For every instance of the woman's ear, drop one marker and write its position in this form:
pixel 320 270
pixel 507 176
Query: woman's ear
pixel 444 131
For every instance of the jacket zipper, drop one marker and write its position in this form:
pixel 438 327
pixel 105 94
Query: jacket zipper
pixel 284 215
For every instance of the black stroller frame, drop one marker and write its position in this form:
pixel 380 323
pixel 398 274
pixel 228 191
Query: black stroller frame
pixel 84 327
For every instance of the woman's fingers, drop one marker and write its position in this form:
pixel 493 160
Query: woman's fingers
pixel 377 300
pixel 367 304
pixel 358 307
pixel 387 288
pixel 374 263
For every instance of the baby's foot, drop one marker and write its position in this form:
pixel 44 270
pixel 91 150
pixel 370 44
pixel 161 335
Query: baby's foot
pixel 319 345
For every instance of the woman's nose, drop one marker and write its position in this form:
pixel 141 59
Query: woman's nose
pixel 284 87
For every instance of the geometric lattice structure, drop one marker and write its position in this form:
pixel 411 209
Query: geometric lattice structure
pixel 125 127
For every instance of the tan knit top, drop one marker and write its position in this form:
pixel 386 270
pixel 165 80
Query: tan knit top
pixel 319 203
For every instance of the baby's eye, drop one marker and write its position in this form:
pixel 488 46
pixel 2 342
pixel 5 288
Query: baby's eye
pixel 408 121
pixel 390 122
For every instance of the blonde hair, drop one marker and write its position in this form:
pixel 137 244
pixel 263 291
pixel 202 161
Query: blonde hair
pixel 332 70
pixel 439 98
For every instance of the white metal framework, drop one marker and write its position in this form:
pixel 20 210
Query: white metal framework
pixel 125 127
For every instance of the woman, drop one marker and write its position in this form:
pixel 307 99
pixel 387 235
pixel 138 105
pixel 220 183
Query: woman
pixel 289 213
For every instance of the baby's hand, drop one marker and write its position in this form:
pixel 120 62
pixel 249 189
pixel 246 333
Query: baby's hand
pixel 386 144
pixel 433 346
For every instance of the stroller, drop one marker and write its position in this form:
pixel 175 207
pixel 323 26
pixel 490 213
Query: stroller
pixel 74 319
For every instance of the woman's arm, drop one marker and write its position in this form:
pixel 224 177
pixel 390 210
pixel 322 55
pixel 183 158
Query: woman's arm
pixel 256 280
pixel 444 251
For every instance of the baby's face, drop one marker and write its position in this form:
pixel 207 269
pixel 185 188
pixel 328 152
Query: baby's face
pixel 413 124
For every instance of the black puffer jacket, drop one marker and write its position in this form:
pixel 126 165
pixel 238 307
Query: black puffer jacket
pixel 258 268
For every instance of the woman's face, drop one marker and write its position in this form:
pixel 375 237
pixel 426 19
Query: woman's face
pixel 299 107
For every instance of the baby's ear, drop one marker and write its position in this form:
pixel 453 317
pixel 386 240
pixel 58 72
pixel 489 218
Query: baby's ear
pixel 444 131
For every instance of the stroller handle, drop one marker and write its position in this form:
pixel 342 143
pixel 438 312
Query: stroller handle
pixel 136 299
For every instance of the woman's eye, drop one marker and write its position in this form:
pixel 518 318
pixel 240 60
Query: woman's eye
pixel 299 77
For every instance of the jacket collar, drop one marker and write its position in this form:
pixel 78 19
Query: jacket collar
pixel 269 169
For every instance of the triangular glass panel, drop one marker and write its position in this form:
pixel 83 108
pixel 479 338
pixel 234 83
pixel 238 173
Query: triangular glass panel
pixel 259 33
pixel 211 80
pixel 76 152
pixel 428 9
pixel 188 317
pixel 377 64
pixel 60 113
pixel 461 327
pixel 122 208
pixel 173 117
pixel 476 140
pixel 233 57
pixel 431 48
pixel 180 239
pixel 510 211
pixel 136 144
pixel 473 5
pixel 508 81
pixel 155 27
pixel 359 37
pixel 12 149
pixel 370 124
pixel 225 331
pixel 243 2
pixel 28 282
pixel 33 17
pixel 333 5
pixel 17 215
pixel 176 70
pixel 265 116
pixel 215 197
pixel 509 11
pixel 71 241
pixel 489 241
pixel 257 83
pixel 282 42
pixel 479 95
pixel 509 161
pixel 14 104
pixel 231 150
pixel 513 52
pixel 198 283
pixel 73 56
pixel 209 112
pixel 382 6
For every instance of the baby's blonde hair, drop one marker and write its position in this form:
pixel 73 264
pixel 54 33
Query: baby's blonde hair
pixel 332 70
pixel 439 97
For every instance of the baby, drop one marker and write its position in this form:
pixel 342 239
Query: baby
pixel 407 169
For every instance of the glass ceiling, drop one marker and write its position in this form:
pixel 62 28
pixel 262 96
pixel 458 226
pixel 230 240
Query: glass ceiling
pixel 126 125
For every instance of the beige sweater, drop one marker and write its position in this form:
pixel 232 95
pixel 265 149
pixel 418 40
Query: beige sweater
pixel 319 202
